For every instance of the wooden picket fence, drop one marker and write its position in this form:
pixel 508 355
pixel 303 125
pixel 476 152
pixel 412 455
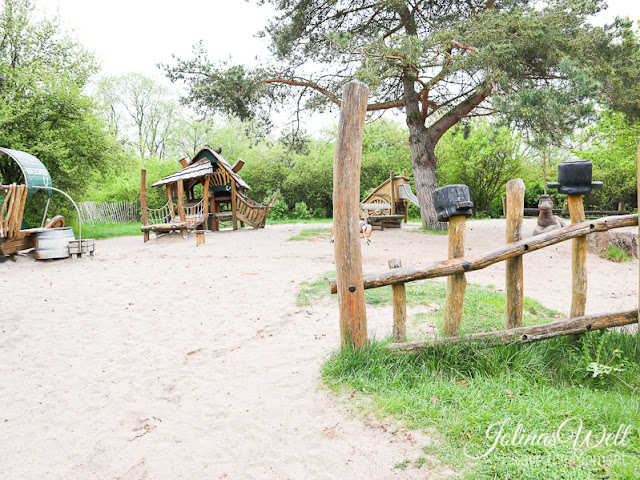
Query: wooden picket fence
pixel 351 282
pixel 94 213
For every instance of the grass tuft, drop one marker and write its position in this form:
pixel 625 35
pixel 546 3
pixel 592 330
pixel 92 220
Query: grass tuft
pixel 312 234
pixel 616 254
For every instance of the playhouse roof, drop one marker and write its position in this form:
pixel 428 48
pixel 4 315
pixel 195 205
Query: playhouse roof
pixel 200 166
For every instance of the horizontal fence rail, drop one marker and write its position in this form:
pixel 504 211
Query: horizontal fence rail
pixel 531 334
pixel 461 265
pixel 94 213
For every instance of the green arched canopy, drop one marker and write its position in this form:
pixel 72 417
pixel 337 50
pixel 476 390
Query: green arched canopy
pixel 34 172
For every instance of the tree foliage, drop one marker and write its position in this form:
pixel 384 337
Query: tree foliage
pixel 611 145
pixel 43 109
pixel 141 112
pixel 482 156
pixel 438 60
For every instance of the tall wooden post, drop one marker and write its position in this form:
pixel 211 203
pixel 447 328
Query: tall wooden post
pixel 183 217
pixel 399 307
pixel 578 259
pixel 205 200
pixel 234 207
pixel 346 198
pixel 514 266
pixel 143 202
pixel 457 283
pixel 393 193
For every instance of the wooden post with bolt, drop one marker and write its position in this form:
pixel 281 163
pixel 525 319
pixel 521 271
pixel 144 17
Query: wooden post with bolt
pixel 456 284
pixel 514 267
pixel 578 260
pixel 399 307
pixel 453 204
pixel 346 199
pixel 574 179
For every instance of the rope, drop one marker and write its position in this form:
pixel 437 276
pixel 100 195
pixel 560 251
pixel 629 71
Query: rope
pixel 195 214
pixel 160 215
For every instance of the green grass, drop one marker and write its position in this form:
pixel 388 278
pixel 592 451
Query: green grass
pixel 109 230
pixel 312 234
pixel 310 291
pixel 616 254
pixel 430 231
pixel 463 394
pixel 281 221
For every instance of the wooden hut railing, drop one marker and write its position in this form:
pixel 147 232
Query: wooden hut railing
pixel 252 212
pixel 194 214
pixel 162 215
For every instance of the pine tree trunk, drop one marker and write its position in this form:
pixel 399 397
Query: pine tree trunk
pixel 422 143
pixel 424 162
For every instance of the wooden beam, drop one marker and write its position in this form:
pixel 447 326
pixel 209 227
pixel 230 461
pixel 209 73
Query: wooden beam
pixel 205 200
pixel 514 267
pixel 570 326
pixel 527 245
pixel 392 195
pixel 578 259
pixel 143 201
pixel 399 307
pixel 234 205
pixel 183 216
pixel 457 283
pixel 346 197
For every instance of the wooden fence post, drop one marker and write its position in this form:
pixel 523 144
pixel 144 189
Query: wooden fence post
pixel 346 199
pixel 514 275
pixel 456 284
pixel 399 307
pixel 143 202
pixel 183 217
pixel 578 259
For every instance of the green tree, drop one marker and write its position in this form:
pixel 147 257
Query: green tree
pixel 43 109
pixel 141 111
pixel 482 156
pixel 439 61
pixel 611 144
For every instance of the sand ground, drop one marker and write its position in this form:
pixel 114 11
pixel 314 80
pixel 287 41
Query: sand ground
pixel 170 361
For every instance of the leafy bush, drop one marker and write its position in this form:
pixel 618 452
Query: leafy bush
pixel 280 210
pixel 301 211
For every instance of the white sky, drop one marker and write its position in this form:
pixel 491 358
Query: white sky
pixel 135 35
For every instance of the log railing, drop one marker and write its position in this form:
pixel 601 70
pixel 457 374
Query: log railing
pixel 351 282
pixel 470 264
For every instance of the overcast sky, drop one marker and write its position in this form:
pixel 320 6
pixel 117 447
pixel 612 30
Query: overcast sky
pixel 135 35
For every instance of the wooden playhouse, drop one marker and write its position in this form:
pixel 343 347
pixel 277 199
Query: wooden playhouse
pixel 388 205
pixel 223 197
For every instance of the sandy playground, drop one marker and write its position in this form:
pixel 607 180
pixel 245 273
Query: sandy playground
pixel 170 361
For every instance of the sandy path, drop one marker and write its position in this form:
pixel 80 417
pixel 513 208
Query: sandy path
pixel 167 360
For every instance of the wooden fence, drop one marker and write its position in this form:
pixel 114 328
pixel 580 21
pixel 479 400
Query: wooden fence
pixel 351 282
pixel 94 213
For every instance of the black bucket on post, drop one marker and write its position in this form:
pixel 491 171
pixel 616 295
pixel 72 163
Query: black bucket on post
pixel 452 200
pixel 574 178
